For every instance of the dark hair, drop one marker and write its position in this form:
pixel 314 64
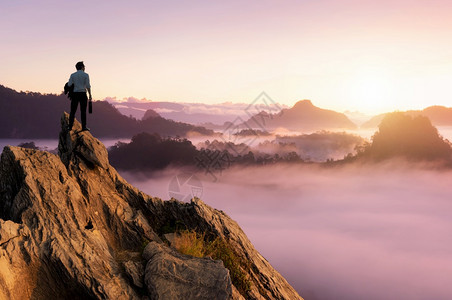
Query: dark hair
pixel 79 65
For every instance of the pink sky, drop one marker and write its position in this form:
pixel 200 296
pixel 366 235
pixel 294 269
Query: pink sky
pixel 371 56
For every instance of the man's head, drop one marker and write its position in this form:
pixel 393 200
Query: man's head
pixel 80 65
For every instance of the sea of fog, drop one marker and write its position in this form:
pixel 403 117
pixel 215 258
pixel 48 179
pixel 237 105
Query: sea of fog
pixel 346 233
pixel 50 144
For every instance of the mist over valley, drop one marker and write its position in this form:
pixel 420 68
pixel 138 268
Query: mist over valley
pixel 355 232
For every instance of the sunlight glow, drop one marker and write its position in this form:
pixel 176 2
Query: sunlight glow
pixel 372 88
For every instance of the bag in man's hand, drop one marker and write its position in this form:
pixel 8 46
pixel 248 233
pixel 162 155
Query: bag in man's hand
pixel 69 90
pixel 90 107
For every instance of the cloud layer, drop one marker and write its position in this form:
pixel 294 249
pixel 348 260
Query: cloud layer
pixel 349 233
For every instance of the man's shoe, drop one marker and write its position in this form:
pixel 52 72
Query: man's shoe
pixel 85 129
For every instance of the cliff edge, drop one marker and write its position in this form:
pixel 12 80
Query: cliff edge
pixel 72 228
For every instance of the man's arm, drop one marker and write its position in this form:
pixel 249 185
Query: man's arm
pixel 89 92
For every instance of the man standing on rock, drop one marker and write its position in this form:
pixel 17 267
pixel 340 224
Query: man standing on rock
pixel 80 80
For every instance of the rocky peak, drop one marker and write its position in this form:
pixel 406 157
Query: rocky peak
pixel 303 104
pixel 150 113
pixel 76 146
pixel 72 227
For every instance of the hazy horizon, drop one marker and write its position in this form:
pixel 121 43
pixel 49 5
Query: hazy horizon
pixel 240 106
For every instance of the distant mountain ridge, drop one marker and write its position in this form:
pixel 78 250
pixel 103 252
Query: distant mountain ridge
pixel 192 113
pixel 438 115
pixel 303 116
pixel 35 115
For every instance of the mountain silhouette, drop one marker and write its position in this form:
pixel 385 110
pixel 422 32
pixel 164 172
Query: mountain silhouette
pixel 34 115
pixel 405 136
pixel 191 113
pixel 150 113
pixel 303 116
pixel 438 115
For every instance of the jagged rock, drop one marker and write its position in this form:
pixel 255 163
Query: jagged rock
pixel 171 275
pixel 80 144
pixel 72 228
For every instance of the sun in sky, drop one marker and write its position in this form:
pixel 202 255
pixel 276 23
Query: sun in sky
pixel 371 88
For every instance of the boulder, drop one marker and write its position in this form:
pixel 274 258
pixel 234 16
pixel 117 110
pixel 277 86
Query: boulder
pixel 171 275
